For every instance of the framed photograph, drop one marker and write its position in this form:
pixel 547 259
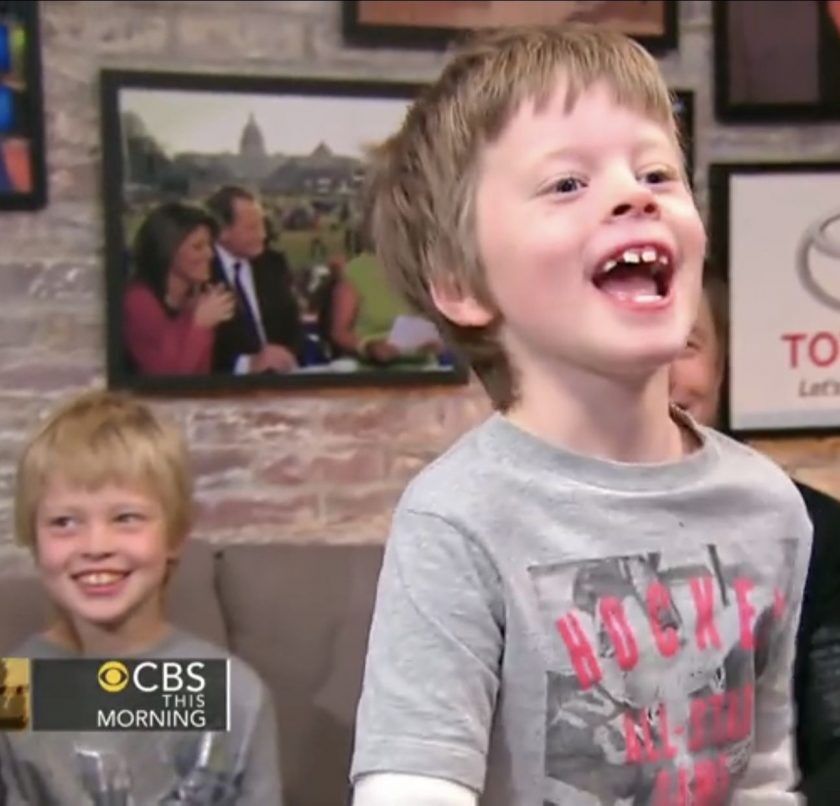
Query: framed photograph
pixel 22 163
pixel 236 251
pixel 776 234
pixel 777 61
pixel 418 23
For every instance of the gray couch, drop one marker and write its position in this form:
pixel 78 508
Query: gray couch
pixel 299 614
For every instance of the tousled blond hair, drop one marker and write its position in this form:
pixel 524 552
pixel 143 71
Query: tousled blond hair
pixel 101 438
pixel 423 179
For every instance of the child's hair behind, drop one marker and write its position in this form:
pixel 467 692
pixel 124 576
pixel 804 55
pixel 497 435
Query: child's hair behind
pixel 717 294
pixel 101 438
pixel 424 178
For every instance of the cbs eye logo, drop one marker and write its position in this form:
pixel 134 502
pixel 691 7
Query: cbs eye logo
pixel 113 676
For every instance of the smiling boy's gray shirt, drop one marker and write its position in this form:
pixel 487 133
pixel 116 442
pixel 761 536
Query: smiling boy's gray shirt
pixel 554 629
pixel 44 768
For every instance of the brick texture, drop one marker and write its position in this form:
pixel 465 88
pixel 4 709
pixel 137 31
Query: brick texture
pixel 323 466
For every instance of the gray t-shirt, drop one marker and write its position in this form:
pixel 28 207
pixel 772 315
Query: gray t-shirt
pixel 555 629
pixel 157 767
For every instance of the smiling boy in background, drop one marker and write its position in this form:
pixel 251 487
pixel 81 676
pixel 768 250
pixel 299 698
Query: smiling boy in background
pixel 104 502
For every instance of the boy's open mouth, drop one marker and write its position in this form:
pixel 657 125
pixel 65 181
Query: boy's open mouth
pixel 637 274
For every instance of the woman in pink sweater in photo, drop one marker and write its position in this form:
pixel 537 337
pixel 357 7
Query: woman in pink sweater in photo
pixel 170 312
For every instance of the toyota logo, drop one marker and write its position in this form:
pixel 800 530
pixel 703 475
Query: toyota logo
pixel 818 238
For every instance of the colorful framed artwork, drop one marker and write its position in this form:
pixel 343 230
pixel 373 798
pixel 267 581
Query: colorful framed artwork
pixel 22 161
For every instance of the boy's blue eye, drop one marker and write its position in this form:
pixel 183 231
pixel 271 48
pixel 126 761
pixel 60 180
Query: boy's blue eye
pixel 568 184
pixel 658 176
pixel 129 517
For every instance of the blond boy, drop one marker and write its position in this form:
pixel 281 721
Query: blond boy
pixel 103 501
pixel 589 599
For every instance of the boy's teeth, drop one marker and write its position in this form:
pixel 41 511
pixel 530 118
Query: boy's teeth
pixel 630 256
pixel 648 255
pixel 100 578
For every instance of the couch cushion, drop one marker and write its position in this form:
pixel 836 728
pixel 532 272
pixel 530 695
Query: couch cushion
pixel 23 607
pixel 192 602
pixel 300 616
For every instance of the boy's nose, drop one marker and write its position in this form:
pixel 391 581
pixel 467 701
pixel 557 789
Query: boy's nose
pixel 98 541
pixel 638 201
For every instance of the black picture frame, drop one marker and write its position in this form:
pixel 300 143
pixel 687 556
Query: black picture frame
pixel 776 62
pixel 23 182
pixel 358 30
pixel 684 109
pixel 143 166
pixel 773 228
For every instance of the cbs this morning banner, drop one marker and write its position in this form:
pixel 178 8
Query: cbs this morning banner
pixel 122 695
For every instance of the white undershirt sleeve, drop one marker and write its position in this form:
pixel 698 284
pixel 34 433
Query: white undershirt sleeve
pixel 386 789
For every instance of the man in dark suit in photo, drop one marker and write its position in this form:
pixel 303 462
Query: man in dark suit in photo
pixel 265 333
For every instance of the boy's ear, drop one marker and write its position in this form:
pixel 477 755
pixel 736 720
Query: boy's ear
pixel 458 306
pixel 173 556
pixel 175 549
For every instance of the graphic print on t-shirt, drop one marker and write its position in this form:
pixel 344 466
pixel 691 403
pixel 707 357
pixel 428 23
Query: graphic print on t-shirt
pixel 160 767
pixel 652 670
